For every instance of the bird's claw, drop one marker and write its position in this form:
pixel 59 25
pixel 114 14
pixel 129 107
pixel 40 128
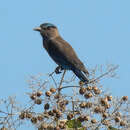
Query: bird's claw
pixel 58 70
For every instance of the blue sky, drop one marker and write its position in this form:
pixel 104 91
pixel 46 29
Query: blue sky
pixel 98 30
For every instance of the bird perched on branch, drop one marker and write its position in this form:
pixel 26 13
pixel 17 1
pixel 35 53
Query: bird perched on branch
pixel 61 51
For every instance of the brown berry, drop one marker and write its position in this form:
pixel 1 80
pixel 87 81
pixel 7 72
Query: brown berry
pixel 38 101
pixel 93 121
pixel 53 90
pixel 22 115
pixel 28 115
pixel 46 114
pixel 40 117
pixel 117 119
pixel 50 113
pixel 46 106
pixel 48 93
pixel 39 93
pixel 55 110
pixel 98 110
pixel 57 128
pixel 62 125
pixel 42 126
pixel 50 127
pixel 34 120
pixel 3 128
pixel 70 116
pixel 58 114
pixel 81 83
pixel 109 98
pixel 125 98
pixel 98 91
pixel 88 95
pixel 89 88
pixel 63 108
pixel 63 121
pixel 33 96
pixel 105 122
pixel 107 105
pixel 86 118
pixel 83 105
pixel 95 88
pixel 105 115
pixel 118 114
pixel 82 90
pixel 62 104
pixel 122 123
pixel 103 101
pixel 88 104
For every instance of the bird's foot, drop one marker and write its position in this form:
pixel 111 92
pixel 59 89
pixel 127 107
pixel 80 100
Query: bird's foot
pixel 58 70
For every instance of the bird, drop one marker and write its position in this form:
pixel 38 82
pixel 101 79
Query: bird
pixel 61 51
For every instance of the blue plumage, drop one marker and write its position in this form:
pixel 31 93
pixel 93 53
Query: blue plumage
pixel 48 25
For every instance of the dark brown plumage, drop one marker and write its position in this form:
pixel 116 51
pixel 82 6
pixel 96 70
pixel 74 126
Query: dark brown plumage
pixel 61 51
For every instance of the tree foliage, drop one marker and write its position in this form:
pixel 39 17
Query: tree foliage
pixel 56 105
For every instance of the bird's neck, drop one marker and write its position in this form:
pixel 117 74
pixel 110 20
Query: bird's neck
pixel 46 38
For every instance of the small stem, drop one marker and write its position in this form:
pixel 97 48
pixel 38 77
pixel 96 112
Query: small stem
pixel 53 80
pixel 73 109
pixel 112 69
pixel 51 73
pixel 62 78
pixel 69 87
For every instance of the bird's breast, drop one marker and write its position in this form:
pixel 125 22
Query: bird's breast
pixel 45 45
pixel 55 54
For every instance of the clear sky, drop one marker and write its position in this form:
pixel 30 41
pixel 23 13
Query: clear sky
pixel 98 30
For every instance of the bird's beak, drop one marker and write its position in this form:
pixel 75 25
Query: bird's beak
pixel 37 29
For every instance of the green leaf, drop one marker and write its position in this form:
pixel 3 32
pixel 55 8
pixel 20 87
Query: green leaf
pixel 112 128
pixel 73 124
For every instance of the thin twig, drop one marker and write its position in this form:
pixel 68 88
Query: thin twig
pixel 62 78
pixel 69 87
pixel 93 80
pixel 112 69
pixel 53 80
pixel 51 73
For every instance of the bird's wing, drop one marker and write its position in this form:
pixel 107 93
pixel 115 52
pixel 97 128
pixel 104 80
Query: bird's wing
pixel 63 50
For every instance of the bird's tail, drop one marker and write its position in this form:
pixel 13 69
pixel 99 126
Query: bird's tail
pixel 80 75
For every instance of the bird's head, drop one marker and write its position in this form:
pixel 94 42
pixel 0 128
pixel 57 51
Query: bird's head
pixel 47 30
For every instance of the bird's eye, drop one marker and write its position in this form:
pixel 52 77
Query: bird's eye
pixel 48 27
pixel 44 28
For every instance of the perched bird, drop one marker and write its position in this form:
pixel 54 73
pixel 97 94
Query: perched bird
pixel 61 51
